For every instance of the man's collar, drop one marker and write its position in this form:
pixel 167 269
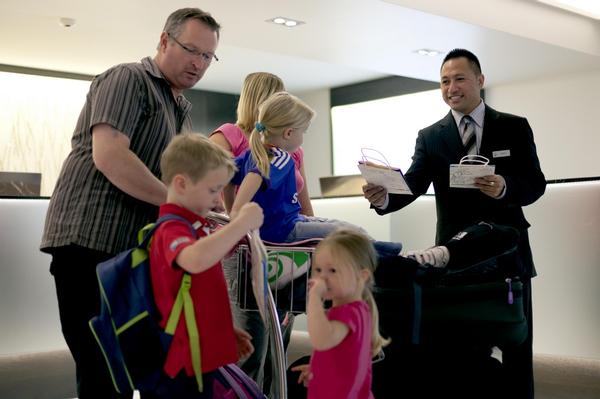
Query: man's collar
pixel 152 67
pixel 478 114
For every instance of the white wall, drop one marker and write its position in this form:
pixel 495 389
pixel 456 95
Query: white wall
pixel 563 112
pixel 28 306
pixel 317 141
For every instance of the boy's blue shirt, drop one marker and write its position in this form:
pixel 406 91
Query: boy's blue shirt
pixel 277 195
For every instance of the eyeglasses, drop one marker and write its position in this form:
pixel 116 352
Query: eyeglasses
pixel 206 57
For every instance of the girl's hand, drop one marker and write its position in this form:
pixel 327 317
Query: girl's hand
pixel 244 346
pixel 305 374
pixel 317 286
pixel 251 215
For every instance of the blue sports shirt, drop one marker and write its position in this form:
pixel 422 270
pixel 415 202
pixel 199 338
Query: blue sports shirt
pixel 277 195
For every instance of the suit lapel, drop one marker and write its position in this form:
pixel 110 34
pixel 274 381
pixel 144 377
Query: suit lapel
pixel 450 136
pixel 490 130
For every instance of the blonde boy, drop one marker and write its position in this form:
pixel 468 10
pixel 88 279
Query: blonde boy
pixel 195 172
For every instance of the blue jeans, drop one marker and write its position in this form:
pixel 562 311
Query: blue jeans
pixel 318 227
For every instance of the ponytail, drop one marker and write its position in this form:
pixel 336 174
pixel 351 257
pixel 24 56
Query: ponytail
pixel 377 341
pixel 259 152
pixel 279 112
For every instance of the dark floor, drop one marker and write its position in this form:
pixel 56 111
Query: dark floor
pixel 51 375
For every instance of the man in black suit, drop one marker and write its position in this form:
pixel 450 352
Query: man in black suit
pixel 507 141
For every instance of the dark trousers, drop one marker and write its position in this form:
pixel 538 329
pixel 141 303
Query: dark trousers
pixel 447 369
pixel 74 271
pixel 518 361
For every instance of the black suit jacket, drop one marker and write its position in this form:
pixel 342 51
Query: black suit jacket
pixel 440 145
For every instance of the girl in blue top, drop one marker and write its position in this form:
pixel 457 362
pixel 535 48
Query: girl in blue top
pixel 266 175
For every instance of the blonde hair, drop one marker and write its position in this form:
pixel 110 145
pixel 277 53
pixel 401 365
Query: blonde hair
pixel 354 248
pixel 193 155
pixel 279 112
pixel 257 87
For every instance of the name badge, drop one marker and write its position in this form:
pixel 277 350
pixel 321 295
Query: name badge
pixel 500 154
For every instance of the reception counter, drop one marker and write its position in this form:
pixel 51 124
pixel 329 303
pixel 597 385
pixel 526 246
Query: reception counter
pixel 565 237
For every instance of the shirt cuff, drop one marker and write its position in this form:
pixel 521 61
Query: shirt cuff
pixel 385 203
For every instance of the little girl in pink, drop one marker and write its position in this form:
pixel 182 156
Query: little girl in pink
pixel 345 337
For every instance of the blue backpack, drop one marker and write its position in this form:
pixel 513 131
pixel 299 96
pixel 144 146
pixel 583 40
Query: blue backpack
pixel 127 330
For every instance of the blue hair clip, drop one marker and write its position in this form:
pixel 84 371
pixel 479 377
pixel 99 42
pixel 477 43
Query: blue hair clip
pixel 260 127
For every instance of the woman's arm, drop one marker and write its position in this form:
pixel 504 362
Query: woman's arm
pixel 248 188
pixel 229 197
pixel 219 139
pixel 303 197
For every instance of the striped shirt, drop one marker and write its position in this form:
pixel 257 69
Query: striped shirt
pixel 85 208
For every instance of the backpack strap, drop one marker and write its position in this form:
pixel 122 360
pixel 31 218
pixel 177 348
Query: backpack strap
pixel 145 234
pixel 243 379
pixel 183 300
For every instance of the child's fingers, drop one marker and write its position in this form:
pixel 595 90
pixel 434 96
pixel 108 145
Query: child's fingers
pixel 249 348
pixel 300 367
pixel 305 377
pixel 305 374
pixel 243 334
pixel 307 380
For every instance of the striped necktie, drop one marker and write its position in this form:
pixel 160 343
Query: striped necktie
pixel 469 137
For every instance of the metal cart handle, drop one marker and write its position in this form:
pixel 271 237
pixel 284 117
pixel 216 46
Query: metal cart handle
pixel 278 360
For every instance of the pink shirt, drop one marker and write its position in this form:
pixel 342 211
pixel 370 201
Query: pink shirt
pixel 239 144
pixel 344 372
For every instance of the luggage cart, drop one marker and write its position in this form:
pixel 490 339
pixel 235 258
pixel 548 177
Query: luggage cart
pixel 287 274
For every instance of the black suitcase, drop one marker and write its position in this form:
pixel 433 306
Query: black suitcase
pixel 444 322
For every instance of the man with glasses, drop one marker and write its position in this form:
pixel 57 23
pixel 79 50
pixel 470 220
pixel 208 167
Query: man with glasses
pixel 109 187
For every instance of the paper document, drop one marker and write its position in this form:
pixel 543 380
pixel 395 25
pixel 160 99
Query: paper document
pixel 463 176
pixel 390 178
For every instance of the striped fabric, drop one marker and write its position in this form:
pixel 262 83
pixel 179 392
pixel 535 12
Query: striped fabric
pixel 469 138
pixel 85 208
pixel 280 158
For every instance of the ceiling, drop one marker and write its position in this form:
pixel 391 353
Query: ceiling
pixel 342 41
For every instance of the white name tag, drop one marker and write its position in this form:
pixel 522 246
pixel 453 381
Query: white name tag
pixel 500 154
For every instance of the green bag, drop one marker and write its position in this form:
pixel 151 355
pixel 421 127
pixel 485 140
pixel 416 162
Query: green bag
pixel 488 314
pixel 470 302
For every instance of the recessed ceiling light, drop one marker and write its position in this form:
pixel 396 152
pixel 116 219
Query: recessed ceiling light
pixel 583 7
pixel 66 22
pixel 290 23
pixel 428 52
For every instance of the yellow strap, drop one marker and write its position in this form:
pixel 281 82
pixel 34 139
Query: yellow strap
pixel 184 300
pixel 190 321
